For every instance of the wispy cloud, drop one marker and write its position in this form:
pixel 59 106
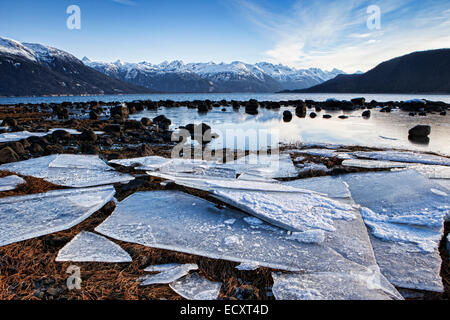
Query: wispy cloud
pixel 334 33
pixel 125 2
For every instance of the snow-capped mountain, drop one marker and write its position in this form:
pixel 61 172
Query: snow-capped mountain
pixel 34 69
pixel 237 76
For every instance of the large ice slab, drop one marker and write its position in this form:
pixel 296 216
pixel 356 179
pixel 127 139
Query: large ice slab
pixel 196 287
pixel 168 276
pixel 369 285
pixel 10 183
pixel 405 216
pixel 31 216
pixel 404 156
pixel 267 166
pixel 91 247
pixel 78 171
pixel 176 221
pixel 333 187
pixel 291 211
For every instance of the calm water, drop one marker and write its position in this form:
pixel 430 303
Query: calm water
pixel 226 96
pixel 382 130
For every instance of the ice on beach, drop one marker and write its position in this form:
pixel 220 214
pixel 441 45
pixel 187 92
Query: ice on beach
pixel 373 164
pixel 176 221
pixel 162 267
pixel 167 276
pixel 312 167
pixel 91 247
pixel 10 183
pixel 31 216
pixel 267 166
pixel 325 153
pixel 210 184
pixel 405 218
pixel 290 211
pixel 310 236
pixel 195 287
pixel 247 267
pixel 78 171
pixel 254 177
pixel 274 166
pixel 403 156
pixel 333 187
pixel 367 285
pixel 17 136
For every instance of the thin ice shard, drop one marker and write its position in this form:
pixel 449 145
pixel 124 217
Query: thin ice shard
pixel 162 267
pixel 195 287
pixel 179 222
pixel 406 222
pixel 10 183
pixel 32 216
pixel 90 247
pixel 168 276
pixel 368 285
pixel 334 187
pixel 77 171
pixel 404 156
pixel 325 153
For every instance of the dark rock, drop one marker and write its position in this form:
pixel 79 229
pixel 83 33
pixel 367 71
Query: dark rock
pixel 145 151
pixel 313 115
pixel 443 113
pixel 300 111
pixel 61 135
pixel 54 149
pixel 367 114
pixel 9 122
pixel 88 136
pixel 327 116
pixel 287 116
pixel 133 124
pixel 120 112
pixel 7 155
pixel 318 109
pixel 113 128
pixel 94 115
pixel 36 148
pixel 18 148
pixel 420 131
pixel 146 122
pixel 162 120
pixel 90 149
pixel 343 117
pixel 358 101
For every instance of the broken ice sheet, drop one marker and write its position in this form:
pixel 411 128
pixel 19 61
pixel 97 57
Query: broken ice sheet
pixel 373 164
pixel 325 153
pixel 32 216
pixel 195 287
pixel 367 285
pixel 176 221
pixel 247 266
pixel 406 222
pixel 162 267
pixel 78 171
pixel 404 156
pixel 275 166
pixel 10 183
pixel 291 211
pixel 168 276
pixel 90 247
pixel 334 187
pixel 309 167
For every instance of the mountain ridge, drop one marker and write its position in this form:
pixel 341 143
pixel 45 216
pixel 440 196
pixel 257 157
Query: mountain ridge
pixel 28 69
pixel 415 73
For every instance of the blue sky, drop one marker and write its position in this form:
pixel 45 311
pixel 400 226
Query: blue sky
pixel 298 33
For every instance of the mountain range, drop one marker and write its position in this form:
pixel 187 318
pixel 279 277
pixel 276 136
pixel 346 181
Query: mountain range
pixel 237 76
pixel 33 70
pixel 418 72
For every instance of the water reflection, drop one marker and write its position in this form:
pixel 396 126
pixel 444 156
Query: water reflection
pixel 382 130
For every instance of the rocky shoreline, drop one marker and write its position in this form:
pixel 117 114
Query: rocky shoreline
pixel 28 269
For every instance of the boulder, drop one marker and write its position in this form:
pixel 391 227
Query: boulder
pixel 367 114
pixel 420 131
pixel 88 136
pixel 7 155
pixel 120 112
pixel 287 116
